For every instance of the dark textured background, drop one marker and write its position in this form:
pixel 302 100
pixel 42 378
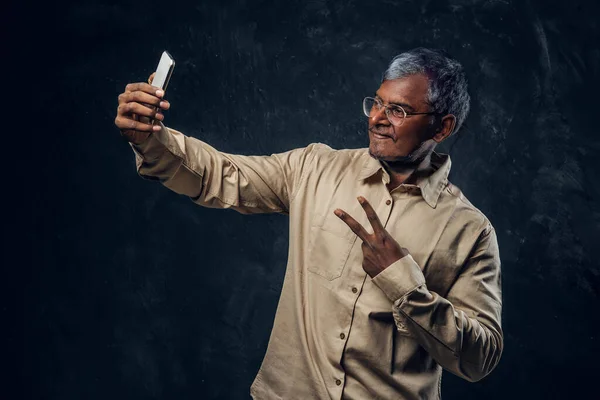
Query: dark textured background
pixel 120 289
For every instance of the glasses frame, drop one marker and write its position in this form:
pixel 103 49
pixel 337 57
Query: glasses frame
pixel 387 110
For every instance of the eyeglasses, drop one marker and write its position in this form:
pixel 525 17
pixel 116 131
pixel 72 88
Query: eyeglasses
pixel 395 113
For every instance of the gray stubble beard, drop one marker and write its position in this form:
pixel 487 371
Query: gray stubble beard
pixel 414 158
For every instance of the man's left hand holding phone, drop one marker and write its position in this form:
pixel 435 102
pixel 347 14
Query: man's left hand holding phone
pixel 142 104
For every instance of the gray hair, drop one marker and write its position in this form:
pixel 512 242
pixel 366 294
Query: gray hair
pixel 447 81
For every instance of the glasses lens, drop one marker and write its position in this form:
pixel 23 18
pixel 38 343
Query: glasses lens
pixel 368 106
pixel 396 115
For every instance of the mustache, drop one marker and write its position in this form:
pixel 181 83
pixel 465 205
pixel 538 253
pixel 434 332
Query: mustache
pixel 384 131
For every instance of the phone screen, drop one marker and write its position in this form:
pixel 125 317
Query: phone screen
pixel 163 71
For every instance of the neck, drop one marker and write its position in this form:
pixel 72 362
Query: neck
pixel 406 172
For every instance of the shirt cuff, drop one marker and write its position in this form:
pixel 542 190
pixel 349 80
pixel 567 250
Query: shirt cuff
pixel 400 278
pixel 154 146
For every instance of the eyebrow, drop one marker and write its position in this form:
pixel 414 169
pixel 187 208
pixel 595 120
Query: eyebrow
pixel 403 105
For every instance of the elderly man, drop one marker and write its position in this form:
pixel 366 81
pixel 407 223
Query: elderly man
pixel 392 276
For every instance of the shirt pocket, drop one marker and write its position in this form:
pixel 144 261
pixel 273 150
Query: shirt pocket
pixel 331 241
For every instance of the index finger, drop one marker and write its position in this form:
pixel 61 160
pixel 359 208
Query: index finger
pixel 378 228
pixel 353 224
pixel 144 87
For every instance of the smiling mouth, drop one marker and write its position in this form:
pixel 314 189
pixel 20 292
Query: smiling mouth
pixel 379 135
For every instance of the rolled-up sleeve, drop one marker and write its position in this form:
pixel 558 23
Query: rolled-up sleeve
pixel 247 184
pixel 462 331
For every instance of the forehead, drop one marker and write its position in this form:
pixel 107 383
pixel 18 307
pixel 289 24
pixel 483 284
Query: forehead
pixel 411 90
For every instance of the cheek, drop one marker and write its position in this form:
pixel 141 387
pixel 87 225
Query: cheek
pixel 415 132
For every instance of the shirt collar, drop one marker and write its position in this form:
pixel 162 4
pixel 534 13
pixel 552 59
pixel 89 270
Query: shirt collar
pixel 430 186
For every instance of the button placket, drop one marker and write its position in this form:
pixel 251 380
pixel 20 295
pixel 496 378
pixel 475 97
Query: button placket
pixel 386 212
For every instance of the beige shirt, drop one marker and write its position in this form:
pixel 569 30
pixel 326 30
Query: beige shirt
pixel 338 334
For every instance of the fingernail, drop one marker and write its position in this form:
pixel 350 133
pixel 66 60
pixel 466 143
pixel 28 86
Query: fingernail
pixel 156 128
pixel 361 199
pixel 339 213
pixel 160 93
pixel 164 104
pixel 159 117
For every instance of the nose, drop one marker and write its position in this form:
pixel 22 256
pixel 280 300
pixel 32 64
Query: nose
pixel 379 116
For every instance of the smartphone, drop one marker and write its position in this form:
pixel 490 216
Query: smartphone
pixel 164 71
pixel 162 77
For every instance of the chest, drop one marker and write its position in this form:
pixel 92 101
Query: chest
pixel 435 237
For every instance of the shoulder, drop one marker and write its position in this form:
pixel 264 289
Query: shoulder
pixel 325 150
pixel 465 210
pixel 324 154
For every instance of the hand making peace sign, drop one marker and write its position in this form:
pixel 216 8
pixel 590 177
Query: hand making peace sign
pixel 380 249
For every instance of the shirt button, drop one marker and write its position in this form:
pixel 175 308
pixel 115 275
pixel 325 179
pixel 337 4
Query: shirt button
pixel 388 202
pixel 354 290
pixel 342 336
pixel 338 382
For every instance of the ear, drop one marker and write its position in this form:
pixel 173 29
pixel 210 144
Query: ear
pixel 445 128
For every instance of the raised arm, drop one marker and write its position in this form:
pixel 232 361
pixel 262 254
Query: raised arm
pixel 188 166
pixel 248 184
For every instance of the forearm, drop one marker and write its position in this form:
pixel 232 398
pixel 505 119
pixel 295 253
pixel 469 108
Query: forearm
pixel 465 343
pixel 159 158
pixel 248 184
pixel 462 331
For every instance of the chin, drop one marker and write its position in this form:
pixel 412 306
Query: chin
pixel 385 154
pixel 390 157
pixel 397 158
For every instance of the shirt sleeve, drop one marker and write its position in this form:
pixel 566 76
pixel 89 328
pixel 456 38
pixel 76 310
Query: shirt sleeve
pixel 462 332
pixel 247 184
